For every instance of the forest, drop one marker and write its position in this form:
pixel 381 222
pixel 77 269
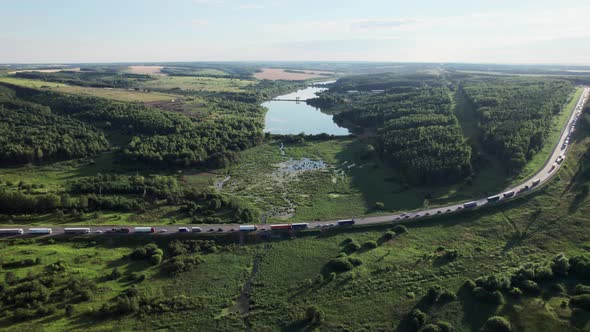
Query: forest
pixel 515 114
pixel 33 133
pixel 414 126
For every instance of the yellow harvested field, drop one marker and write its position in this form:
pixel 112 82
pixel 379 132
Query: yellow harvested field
pixel 115 94
pixel 280 74
pixel 146 70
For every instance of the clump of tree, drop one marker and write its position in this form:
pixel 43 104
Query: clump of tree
pixel 150 252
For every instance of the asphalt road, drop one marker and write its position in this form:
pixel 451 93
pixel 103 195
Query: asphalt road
pixel 549 170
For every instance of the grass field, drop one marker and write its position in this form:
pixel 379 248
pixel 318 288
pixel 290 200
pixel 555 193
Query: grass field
pixel 115 94
pixel 207 84
pixel 391 278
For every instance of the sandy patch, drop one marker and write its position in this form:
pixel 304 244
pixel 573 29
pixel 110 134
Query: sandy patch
pixel 146 69
pixel 280 74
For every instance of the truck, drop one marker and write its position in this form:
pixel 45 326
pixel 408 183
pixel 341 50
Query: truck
pixel 536 182
pixel 495 198
pixel 301 225
pixel 280 227
pixel 248 228
pixel 345 222
pixel 38 231
pixel 470 205
pixel 11 231
pixel 509 193
pixel 76 230
pixel 144 230
pixel 119 230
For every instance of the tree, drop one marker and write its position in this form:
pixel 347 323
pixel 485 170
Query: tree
pixel 497 324
pixel 69 310
pixel 314 316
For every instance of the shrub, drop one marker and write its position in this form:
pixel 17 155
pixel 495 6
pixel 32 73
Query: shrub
pixel 468 284
pixel 430 328
pixel 156 259
pixel 351 247
pixel 340 264
pixel 515 292
pixel 379 206
pixel 399 229
pixel 314 316
pixel 582 289
pixel 582 301
pixel 418 318
pixel 580 266
pixel 370 244
pixel 451 254
pixel 560 265
pixel 115 274
pixel 355 261
pixel 445 327
pixel 69 310
pixel 497 324
pixel 389 235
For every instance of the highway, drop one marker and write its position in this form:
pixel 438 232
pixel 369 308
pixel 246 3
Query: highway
pixel 545 174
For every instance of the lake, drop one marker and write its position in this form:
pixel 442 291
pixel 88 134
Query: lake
pixel 289 117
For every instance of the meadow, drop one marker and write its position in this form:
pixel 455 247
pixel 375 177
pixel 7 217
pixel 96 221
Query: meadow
pixel 202 84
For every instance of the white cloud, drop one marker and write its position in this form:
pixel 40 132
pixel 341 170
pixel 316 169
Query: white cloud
pixel 208 2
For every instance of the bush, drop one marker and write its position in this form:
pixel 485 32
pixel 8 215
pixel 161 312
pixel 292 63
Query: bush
pixel 69 310
pixel 581 301
pixel 379 206
pixel 351 247
pixel 418 318
pixel 560 265
pixel 399 229
pixel 138 276
pixel 445 327
pixel 314 316
pixel 497 324
pixel 340 264
pixel 431 328
pixel 515 292
pixel 389 235
pixel 156 259
pixel 582 289
pixel 580 266
pixel 370 245
pixel 355 261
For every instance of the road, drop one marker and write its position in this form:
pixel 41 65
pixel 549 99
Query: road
pixel 546 173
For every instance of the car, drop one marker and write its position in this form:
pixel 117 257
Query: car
pixel 332 225
pixel 263 229
pixel 163 230
pixel 318 226
pixel 459 207
pixel 438 212
pixel 427 214
pixel 406 216
pixel 416 216
pixel 448 210
pixel 397 218
pixel 220 229
pixel 211 229
pixel 232 230
pixel 98 231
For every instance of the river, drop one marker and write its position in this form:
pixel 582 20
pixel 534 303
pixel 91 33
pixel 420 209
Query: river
pixel 289 117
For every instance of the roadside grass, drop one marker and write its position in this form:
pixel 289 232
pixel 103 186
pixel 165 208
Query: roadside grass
pixel 115 94
pixel 190 83
pixel 395 276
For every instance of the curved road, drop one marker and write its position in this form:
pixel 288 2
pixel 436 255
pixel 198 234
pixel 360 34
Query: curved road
pixel 549 169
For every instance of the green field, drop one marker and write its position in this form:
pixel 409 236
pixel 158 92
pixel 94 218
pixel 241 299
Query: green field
pixel 204 84
pixel 392 279
pixel 115 94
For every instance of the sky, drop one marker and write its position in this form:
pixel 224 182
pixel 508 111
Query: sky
pixel 476 31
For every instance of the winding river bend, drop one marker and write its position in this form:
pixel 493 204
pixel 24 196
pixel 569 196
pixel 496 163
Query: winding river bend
pixel 290 117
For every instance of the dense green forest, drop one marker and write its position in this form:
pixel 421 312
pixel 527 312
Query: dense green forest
pixel 163 137
pixel 413 123
pixel 97 78
pixel 33 133
pixel 515 114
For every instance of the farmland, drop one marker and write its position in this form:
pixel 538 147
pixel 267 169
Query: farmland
pixel 290 75
pixel 204 84
pixel 109 93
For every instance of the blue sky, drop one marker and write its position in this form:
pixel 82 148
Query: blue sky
pixel 498 31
